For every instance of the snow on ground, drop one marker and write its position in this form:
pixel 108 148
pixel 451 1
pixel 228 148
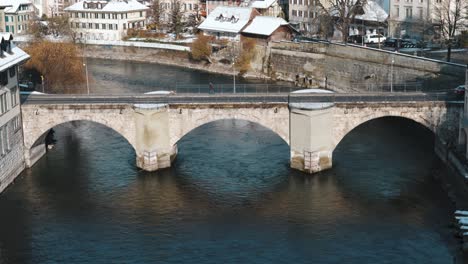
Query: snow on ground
pixel 150 106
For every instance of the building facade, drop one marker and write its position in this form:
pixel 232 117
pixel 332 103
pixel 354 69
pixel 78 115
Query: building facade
pixel 11 134
pixel 303 13
pixel 409 18
pixel 18 14
pixel 106 20
pixel 187 7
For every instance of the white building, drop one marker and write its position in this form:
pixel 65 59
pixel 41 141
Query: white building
pixel 408 17
pixel 11 135
pixel 303 14
pixel 270 8
pixel 227 21
pixel 17 16
pixel 106 20
pixel 187 7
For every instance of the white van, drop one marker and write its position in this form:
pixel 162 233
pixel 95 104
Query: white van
pixel 375 38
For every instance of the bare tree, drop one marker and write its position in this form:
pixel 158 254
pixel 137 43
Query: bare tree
pixel 176 24
pixel 343 13
pixel 450 16
pixel 156 14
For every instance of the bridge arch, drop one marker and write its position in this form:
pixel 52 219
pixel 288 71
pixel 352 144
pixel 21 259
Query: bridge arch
pixel 350 125
pixel 274 119
pixel 41 133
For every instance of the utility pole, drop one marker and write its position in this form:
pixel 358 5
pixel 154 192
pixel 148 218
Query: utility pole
pixel 391 75
pixel 87 79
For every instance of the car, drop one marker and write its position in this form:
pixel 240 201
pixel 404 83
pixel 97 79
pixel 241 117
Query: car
pixel 375 38
pixel 355 39
pixel 459 90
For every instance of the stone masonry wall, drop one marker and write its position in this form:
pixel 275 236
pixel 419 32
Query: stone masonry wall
pixel 351 68
pixel 12 163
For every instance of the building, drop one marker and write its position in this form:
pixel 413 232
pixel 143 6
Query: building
pixel 371 22
pixel 17 16
pixel 228 22
pixel 265 29
pixel 211 5
pixel 270 8
pixel 408 18
pixel 187 7
pixel 303 14
pixel 11 135
pixel 106 20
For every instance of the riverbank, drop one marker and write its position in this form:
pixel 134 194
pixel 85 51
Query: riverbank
pixel 159 56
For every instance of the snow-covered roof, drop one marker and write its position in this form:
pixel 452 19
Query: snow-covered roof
pixel 12 6
pixel 373 12
pixel 264 25
pixel 110 6
pixel 227 19
pixel 16 56
pixel 262 4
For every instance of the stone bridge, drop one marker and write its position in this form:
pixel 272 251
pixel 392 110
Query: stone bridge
pixel 313 130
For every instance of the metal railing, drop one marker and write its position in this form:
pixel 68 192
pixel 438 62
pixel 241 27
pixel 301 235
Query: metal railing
pixel 230 88
pixel 282 98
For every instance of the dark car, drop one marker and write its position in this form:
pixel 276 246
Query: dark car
pixel 355 39
pixel 399 43
pixel 459 90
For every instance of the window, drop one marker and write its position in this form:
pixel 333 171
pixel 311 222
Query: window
pixel 116 26
pixel 96 15
pixel 409 12
pixel 110 26
pixel 420 12
pixel 14 96
pixel 96 26
pixel 103 16
pixel 12 71
pixel 124 26
pixel 300 2
pixel 90 25
pixel 83 25
pixel 397 11
pixel 16 123
pixel 3 78
pixel 141 13
pixel 294 13
pixel 103 26
pixel 3 103
pixel 5 145
pixel 6 18
pixel 300 13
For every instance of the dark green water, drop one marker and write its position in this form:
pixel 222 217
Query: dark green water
pixel 230 197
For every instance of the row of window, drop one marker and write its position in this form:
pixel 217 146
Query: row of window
pixel 4 75
pixel 5 142
pixel 409 12
pixel 304 14
pixel 186 7
pixel 102 15
pixel 106 26
pixel 20 18
pixel 4 102
pixel 303 2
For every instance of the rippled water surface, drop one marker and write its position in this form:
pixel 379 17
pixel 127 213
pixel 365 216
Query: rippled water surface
pixel 117 77
pixel 229 198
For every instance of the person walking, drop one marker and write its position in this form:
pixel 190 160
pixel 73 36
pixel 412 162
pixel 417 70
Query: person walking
pixel 211 88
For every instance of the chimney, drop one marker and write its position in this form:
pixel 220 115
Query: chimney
pixel 9 44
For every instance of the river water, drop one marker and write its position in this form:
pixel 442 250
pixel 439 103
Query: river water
pixel 230 197
pixel 116 77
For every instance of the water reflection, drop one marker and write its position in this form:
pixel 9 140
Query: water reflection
pixel 230 197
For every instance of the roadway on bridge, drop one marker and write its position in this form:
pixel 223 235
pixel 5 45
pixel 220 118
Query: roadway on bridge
pixel 237 98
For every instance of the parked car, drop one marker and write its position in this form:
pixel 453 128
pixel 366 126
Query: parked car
pixel 459 90
pixel 355 39
pixel 400 43
pixel 375 38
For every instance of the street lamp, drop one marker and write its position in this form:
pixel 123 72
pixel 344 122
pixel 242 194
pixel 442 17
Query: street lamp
pixel 87 80
pixel 391 75
pixel 43 84
pixel 234 75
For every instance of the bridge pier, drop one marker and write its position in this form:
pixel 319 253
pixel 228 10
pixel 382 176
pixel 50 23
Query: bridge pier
pixel 311 136
pixel 152 144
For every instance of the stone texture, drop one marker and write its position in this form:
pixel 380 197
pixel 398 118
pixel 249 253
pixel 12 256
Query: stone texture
pixel 154 136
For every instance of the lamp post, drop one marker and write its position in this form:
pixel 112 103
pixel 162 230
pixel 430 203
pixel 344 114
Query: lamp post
pixel 391 75
pixel 87 80
pixel 234 75
pixel 43 83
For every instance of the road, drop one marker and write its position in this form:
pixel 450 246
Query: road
pixel 236 98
